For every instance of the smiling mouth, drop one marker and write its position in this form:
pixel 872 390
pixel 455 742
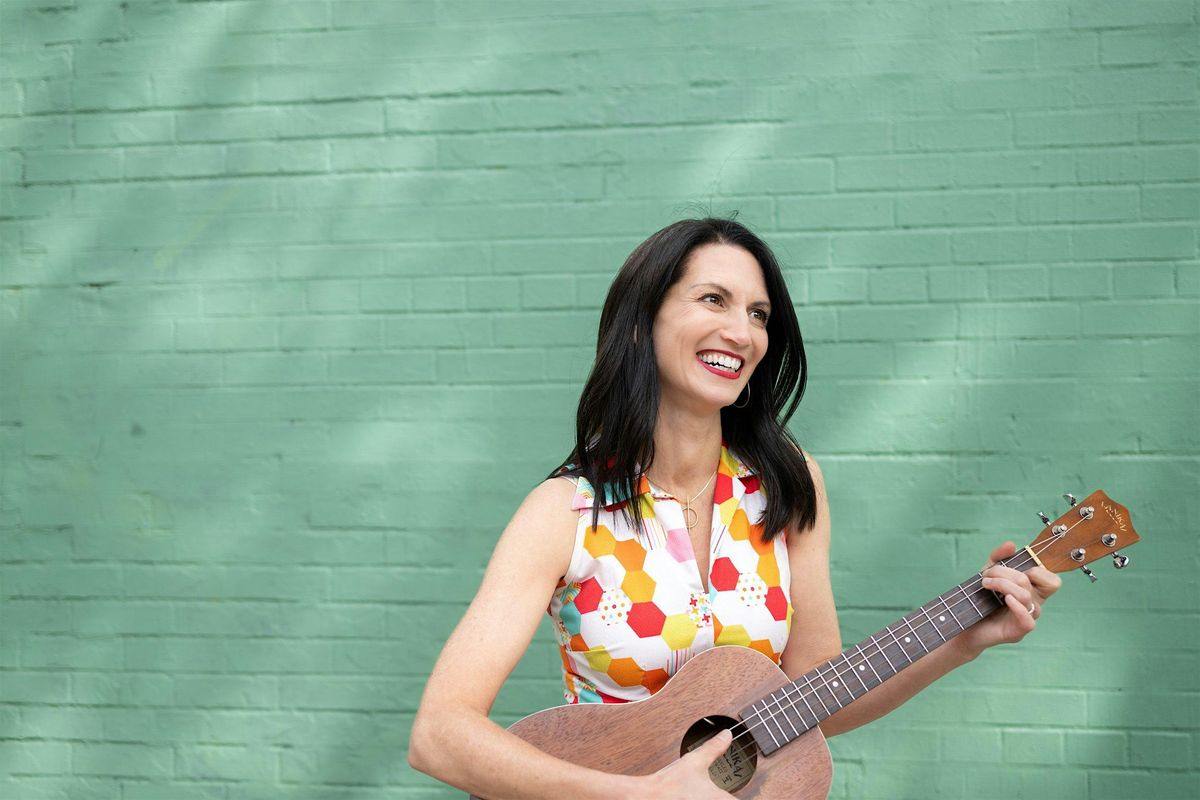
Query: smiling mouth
pixel 720 364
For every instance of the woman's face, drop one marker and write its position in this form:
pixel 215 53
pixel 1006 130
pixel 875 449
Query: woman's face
pixel 711 330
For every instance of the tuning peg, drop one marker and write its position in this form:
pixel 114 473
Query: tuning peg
pixel 1070 498
pixel 1120 561
pixel 1045 519
pixel 1088 572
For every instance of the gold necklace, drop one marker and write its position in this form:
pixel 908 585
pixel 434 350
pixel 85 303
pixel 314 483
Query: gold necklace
pixel 687 504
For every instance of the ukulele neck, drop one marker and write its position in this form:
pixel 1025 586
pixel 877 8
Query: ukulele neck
pixel 788 712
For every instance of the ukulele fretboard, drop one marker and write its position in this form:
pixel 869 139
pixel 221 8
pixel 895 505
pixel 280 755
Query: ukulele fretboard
pixel 788 712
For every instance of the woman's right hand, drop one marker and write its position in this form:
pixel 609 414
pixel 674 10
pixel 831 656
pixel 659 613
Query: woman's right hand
pixel 687 778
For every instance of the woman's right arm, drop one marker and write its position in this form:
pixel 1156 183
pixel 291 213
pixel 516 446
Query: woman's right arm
pixel 452 738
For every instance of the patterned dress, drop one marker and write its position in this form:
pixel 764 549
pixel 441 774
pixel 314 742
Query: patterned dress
pixel 632 609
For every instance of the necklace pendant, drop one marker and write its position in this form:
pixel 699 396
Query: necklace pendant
pixel 690 517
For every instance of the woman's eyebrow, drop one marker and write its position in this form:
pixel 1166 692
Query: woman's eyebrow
pixel 721 290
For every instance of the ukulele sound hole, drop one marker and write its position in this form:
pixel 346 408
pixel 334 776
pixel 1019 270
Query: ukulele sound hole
pixel 734 769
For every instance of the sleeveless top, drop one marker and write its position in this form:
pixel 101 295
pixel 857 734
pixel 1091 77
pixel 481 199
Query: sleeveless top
pixel 631 609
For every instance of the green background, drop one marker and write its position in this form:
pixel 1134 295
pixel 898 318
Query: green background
pixel 298 298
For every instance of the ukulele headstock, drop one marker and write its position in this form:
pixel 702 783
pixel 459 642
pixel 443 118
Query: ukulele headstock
pixel 1095 527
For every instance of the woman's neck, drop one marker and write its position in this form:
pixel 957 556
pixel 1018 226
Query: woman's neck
pixel 686 450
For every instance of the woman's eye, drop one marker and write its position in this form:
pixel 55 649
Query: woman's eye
pixel 716 297
pixel 762 315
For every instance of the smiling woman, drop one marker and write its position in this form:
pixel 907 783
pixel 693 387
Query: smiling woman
pixel 685 518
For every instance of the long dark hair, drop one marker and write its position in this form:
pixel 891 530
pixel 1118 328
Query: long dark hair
pixel 614 426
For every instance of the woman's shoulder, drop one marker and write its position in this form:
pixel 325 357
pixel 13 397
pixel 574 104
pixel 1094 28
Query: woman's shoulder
pixel 555 492
pixel 542 528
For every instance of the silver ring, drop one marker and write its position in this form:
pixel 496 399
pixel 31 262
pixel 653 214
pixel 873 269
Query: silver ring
pixel 1032 607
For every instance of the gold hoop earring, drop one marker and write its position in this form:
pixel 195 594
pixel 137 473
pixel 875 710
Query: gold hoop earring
pixel 743 405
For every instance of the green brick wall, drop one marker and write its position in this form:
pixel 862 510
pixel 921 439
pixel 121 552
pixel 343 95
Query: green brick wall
pixel 298 297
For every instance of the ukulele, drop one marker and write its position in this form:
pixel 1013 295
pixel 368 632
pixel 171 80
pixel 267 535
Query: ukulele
pixel 777 749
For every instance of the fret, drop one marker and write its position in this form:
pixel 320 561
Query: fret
pixel 836 683
pixel 932 624
pixel 883 653
pixel 936 626
pixel 784 711
pixel 964 592
pixel 916 635
pixel 813 691
pixel 950 611
pixel 903 641
pixel 796 709
pixel 765 719
pixel 867 661
pixel 824 690
pixel 816 717
pixel 849 669
pixel 857 669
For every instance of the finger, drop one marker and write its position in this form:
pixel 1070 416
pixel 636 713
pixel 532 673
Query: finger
pixel 1044 581
pixel 1008 573
pixel 1008 588
pixel 1003 551
pixel 1021 613
pixel 715 747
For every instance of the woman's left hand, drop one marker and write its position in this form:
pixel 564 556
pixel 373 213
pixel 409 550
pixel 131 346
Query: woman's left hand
pixel 1021 591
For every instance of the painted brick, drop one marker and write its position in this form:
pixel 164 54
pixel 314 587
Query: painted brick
pixel 1018 283
pixel 1022 168
pixel 1077 205
pixel 1033 747
pixel 1116 785
pixel 956 208
pixel 1169 750
pixel 1087 280
pixel 548 291
pixel 284 282
pixel 837 286
pixel 1041 130
pixel 1123 87
pixel 1141 47
pixel 1144 280
pixel 1168 126
pixel 890 248
pixel 1073 49
pixel 958 283
pixel 825 213
pixel 956 133
pixel 227 762
pixel 55 166
pixel 335 295
pixel 1157 241
pixel 498 294
pixel 1114 14
pixel 126 760
pixel 898 285
pixel 1171 202
pixel 1098 748
pixel 1119 165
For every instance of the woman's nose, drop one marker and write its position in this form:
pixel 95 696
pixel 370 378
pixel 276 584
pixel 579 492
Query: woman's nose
pixel 738 332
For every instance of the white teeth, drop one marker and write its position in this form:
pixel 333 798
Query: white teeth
pixel 720 360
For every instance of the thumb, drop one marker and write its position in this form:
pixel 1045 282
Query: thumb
pixel 715 747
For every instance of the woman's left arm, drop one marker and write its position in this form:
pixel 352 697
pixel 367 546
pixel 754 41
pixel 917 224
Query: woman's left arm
pixel 815 637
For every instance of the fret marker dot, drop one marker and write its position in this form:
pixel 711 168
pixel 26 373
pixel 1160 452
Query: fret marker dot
pixel 907 639
pixel 942 618
pixel 835 684
pixel 861 667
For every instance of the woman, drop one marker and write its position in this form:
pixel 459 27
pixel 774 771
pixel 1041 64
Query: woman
pixel 710 527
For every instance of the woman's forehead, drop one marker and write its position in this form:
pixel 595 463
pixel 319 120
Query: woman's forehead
pixel 731 268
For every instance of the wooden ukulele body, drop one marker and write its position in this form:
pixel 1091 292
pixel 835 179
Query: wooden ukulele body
pixel 712 689
pixel 642 737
